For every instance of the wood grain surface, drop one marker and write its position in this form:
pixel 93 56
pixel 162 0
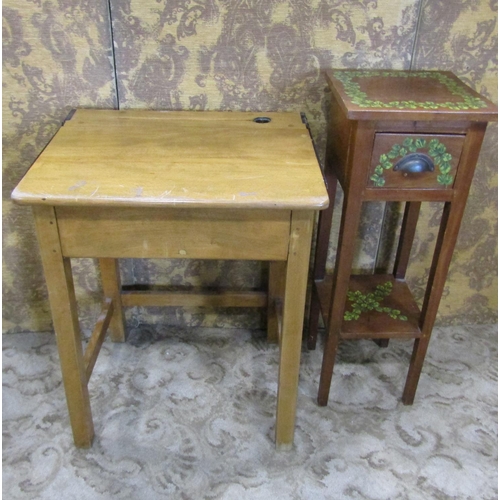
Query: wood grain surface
pixel 191 159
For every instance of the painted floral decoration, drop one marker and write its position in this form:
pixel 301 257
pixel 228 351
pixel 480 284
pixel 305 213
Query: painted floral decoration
pixel 361 303
pixel 361 99
pixel 435 149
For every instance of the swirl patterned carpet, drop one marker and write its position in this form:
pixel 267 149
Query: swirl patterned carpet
pixel 189 414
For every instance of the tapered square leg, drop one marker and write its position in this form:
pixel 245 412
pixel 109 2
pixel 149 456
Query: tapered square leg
pixel 447 236
pixel 320 256
pixel 60 286
pixel 276 292
pixel 293 323
pixel 351 213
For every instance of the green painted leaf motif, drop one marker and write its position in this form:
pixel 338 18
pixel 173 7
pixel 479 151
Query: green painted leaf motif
pixel 437 158
pixel 357 96
pixel 371 302
pixel 435 148
pixel 445 179
pixel 445 168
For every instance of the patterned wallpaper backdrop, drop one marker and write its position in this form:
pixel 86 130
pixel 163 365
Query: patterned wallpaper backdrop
pixel 234 55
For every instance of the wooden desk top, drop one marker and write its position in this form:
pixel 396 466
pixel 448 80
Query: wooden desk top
pixel 407 95
pixel 177 158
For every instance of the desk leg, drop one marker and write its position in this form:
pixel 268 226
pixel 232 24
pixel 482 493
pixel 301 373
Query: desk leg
pixel 62 299
pixel 293 322
pixel 277 274
pixel 110 276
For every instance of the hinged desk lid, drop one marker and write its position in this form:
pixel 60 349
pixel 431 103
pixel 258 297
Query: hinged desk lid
pixel 178 158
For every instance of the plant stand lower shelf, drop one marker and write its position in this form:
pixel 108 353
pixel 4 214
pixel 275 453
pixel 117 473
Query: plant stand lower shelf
pixel 374 324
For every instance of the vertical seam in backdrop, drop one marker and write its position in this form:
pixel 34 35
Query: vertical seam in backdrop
pixel 417 32
pixel 110 16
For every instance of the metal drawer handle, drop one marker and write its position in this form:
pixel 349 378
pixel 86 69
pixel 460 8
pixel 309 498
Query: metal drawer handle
pixel 415 163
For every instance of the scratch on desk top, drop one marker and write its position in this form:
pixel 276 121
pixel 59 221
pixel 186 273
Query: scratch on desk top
pixel 78 185
pixel 138 191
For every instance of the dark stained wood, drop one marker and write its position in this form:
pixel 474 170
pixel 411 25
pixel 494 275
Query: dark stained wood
pixel 409 88
pixel 366 129
pixel 417 127
pixel 337 145
pixel 445 244
pixel 408 227
pixel 426 180
pixel 390 194
pixel 351 212
pixel 321 254
pixel 375 324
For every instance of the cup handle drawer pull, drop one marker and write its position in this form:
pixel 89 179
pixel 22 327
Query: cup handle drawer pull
pixel 415 163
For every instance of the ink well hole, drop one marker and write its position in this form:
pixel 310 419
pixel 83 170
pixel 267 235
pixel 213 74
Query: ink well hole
pixel 262 119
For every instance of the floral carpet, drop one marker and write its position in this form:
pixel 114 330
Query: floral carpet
pixel 189 414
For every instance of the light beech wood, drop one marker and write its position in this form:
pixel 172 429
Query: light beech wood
pixel 293 322
pixel 194 298
pixel 61 290
pixel 111 285
pixel 207 159
pixel 174 233
pixel 209 185
pixel 277 275
pixel 97 338
pixel 278 308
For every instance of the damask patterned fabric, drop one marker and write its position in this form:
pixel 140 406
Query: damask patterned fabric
pixel 235 55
